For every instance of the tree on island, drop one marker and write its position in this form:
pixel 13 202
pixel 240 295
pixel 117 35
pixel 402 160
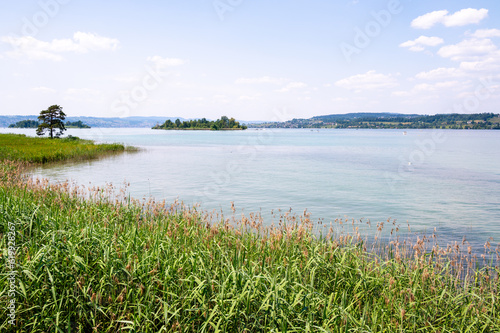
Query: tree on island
pixel 25 124
pixel 78 124
pixel 224 123
pixel 52 121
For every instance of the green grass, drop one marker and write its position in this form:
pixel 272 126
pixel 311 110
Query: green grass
pixel 110 264
pixel 44 150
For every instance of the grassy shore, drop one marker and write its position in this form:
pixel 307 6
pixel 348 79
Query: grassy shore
pixel 90 260
pixel 20 147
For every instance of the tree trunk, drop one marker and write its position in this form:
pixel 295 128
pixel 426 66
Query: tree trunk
pixel 51 127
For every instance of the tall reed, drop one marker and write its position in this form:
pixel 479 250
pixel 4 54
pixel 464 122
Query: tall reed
pixel 92 260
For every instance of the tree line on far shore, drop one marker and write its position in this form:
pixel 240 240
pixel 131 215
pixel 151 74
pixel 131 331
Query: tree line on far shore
pixel 389 120
pixel 224 123
pixel 34 124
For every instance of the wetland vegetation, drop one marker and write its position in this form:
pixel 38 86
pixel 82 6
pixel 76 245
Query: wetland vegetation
pixel 93 259
pixel 19 147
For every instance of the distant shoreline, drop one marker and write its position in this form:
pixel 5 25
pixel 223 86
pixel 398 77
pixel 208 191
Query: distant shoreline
pixel 348 120
pixel 392 121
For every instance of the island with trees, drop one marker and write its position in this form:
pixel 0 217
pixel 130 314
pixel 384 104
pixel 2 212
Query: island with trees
pixel 224 123
pixel 392 120
pixel 25 124
pixel 76 124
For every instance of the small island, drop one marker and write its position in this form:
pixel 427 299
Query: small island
pixel 76 124
pixel 224 123
pixel 25 124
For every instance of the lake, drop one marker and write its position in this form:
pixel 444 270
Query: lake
pixel 443 179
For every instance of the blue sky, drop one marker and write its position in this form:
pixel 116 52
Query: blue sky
pixel 252 60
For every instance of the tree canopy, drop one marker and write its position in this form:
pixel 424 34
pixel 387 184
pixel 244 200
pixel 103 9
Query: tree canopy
pixel 52 121
pixel 224 123
pixel 25 124
pixel 388 120
pixel 78 124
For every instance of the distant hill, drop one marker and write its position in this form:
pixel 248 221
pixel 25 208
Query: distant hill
pixel 350 116
pixel 146 122
pixel 392 120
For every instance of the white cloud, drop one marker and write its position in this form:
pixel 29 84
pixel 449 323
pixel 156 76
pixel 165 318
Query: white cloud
pixel 30 48
pixel 259 80
pixel 34 49
pixel 432 91
pixel 420 43
pixel 437 86
pixel 292 85
pixel 476 53
pixel 94 42
pixel 401 93
pixel 82 91
pixel 485 33
pixel 220 99
pixel 428 20
pixel 466 17
pixel 440 73
pixel 166 62
pixel 249 98
pixel 44 90
pixel 489 63
pixel 368 81
pixel 125 79
pixel 463 17
pixel 82 94
pixel 467 49
pixel 246 98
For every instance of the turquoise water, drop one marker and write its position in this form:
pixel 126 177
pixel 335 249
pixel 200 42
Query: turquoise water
pixel 445 179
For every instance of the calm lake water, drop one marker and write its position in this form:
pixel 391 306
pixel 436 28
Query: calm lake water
pixel 443 179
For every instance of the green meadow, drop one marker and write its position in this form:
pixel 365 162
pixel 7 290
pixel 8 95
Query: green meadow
pixel 18 147
pixel 94 260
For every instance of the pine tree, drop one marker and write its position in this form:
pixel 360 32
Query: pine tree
pixel 52 121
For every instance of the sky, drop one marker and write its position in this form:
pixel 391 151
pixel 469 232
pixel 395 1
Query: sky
pixel 251 60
